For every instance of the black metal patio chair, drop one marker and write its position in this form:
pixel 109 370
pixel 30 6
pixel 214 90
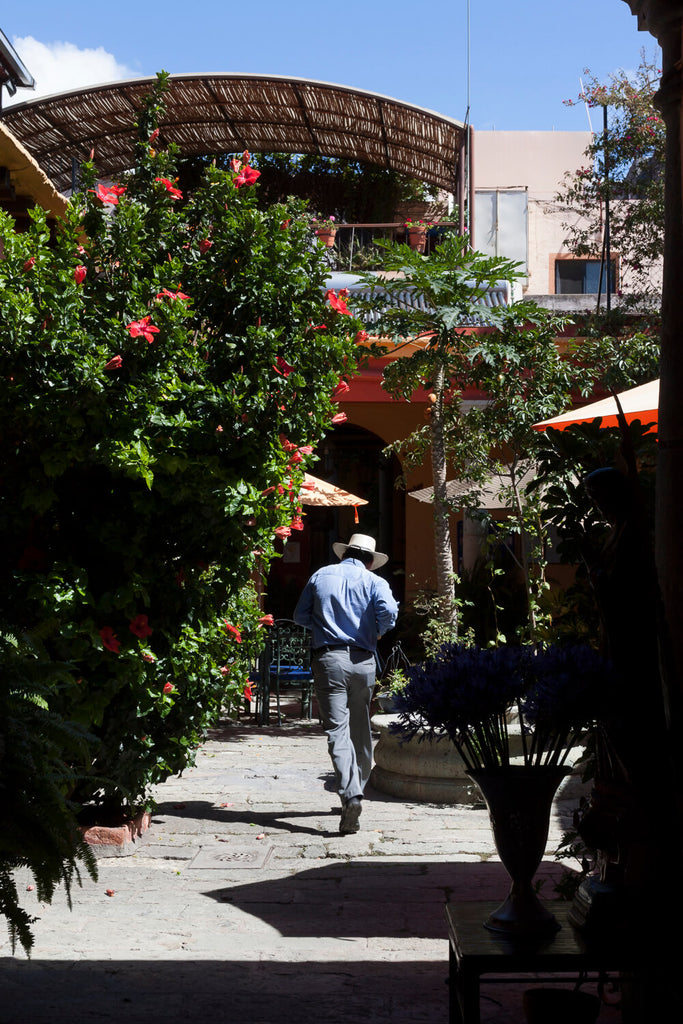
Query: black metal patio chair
pixel 290 663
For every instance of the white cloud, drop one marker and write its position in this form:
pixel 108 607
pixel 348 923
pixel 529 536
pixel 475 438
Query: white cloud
pixel 60 67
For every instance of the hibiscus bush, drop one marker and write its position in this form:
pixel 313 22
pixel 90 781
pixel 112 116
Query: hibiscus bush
pixel 169 363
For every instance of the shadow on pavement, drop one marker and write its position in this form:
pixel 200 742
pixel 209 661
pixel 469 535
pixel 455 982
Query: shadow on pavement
pixel 371 898
pixel 274 821
pixel 224 992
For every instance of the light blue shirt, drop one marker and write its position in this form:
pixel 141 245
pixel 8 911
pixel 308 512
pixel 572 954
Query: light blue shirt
pixel 345 603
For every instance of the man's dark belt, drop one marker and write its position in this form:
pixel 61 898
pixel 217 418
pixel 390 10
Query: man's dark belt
pixel 339 647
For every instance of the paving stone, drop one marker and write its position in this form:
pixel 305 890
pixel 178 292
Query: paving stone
pixel 319 929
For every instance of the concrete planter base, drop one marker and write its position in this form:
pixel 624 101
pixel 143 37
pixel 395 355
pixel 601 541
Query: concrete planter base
pixel 428 771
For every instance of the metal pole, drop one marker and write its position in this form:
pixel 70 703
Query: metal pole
pixel 608 254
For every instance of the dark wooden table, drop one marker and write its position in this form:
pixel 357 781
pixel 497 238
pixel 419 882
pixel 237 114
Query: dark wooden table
pixel 476 951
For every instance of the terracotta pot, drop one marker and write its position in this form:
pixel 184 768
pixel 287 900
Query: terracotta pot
pixel 327 237
pixel 417 238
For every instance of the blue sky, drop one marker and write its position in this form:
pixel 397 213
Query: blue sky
pixel 525 58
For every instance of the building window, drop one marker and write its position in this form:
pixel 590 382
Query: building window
pixel 582 277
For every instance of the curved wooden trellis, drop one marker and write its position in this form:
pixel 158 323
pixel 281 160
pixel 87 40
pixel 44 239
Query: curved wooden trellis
pixel 227 113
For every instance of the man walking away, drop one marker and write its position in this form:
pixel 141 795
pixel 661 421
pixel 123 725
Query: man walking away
pixel 347 608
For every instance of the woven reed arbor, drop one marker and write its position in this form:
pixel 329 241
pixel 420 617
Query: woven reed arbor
pixel 227 113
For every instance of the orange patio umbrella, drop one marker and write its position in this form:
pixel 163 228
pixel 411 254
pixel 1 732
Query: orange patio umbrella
pixel 315 491
pixel 639 403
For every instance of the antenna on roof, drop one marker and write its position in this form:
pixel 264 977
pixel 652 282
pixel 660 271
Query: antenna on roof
pixel 585 103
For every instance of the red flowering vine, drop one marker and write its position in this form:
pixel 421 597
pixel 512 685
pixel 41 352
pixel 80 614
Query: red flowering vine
pixel 229 628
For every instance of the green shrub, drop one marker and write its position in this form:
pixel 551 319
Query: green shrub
pixel 168 364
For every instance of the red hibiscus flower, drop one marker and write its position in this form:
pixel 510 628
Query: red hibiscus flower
pixel 248 695
pixel 361 337
pixel 282 531
pixel 247 176
pixel 297 523
pixel 114 363
pixel 337 301
pixel 234 630
pixel 79 274
pixel 143 329
pixel 109 195
pixel 282 367
pixel 341 417
pixel 168 687
pixel 205 245
pixel 109 639
pixel 341 389
pixel 174 192
pixel 148 657
pixel 140 627
pixel 30 264
pixel 266 620
pixel 154 136
pixel 166 294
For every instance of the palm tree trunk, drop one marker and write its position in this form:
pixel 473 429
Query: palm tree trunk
pixel 443 552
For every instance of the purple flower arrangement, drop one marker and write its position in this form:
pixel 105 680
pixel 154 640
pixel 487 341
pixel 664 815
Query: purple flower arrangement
pixel 473 694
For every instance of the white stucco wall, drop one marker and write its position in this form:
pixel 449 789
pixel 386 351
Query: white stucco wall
pixel 537 162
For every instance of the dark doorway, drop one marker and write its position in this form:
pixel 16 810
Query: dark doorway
pixel 352 458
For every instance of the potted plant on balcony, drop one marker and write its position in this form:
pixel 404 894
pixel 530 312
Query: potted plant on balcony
pixel 416 231
pixel 475 696
pixel 326 230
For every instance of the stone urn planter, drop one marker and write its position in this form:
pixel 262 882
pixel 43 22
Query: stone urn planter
pixel 425 770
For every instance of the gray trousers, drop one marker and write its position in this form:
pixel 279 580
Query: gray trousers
pixel 344 680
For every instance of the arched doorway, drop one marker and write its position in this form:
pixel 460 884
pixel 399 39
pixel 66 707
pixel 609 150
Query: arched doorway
pixel 352 458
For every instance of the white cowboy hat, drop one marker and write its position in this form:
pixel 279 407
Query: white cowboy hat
pixel 361 542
